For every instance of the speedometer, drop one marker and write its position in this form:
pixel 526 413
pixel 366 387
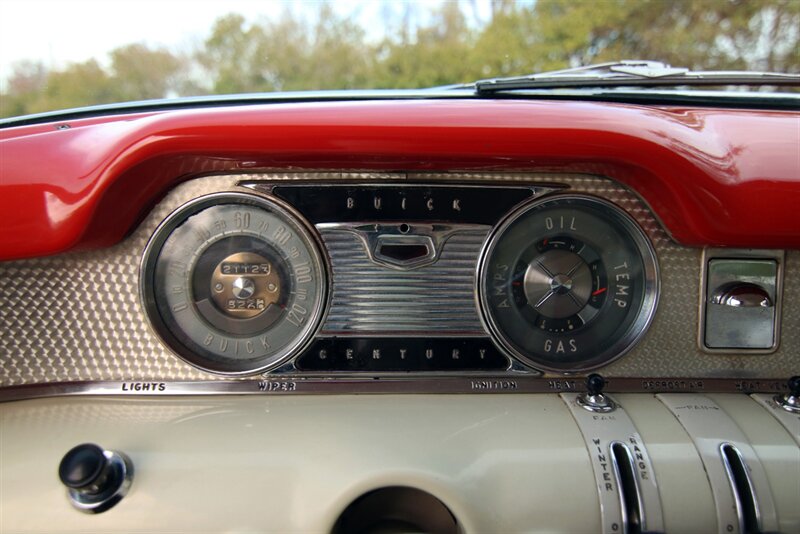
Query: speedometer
pixel 568 283
pixel 234 283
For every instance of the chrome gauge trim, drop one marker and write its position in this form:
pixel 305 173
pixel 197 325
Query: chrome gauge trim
pixel 154 247
pixel 636 330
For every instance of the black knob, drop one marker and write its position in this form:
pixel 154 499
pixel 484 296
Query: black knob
pixel 794 386
pixel 595 384
pixel 84 468
pixel 96 479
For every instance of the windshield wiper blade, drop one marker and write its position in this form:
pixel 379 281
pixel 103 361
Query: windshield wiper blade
pixel 632 74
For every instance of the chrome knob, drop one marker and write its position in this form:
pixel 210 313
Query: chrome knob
pixel 791 400
pixel 594 400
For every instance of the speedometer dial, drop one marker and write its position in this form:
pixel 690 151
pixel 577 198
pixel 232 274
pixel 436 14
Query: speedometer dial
pixel 234 283
pixel 568 283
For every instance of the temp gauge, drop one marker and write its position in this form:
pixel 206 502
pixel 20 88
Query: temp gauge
pixel 234 283
pixel 568 283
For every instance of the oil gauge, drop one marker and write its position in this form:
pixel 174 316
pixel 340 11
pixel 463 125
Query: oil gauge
pixel 568 283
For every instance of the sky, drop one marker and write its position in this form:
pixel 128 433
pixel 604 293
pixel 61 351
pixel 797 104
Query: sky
pixel 57 32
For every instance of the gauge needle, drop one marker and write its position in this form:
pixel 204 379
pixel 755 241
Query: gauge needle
pixel 545 269
pixel 599 291
pixel 544 298
pixel 575 300
pixel 575 268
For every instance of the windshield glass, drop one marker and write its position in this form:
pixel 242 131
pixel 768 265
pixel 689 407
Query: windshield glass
pixel 57 55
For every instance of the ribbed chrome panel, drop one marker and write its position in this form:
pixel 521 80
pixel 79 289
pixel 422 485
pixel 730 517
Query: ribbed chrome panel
pixel 370 298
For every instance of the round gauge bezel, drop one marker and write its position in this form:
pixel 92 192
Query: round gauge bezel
pixel 635 331
pixel 175 219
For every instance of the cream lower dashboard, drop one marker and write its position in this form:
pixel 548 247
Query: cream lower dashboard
pixel 500 463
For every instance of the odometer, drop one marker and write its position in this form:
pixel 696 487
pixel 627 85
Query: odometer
pixel 568 283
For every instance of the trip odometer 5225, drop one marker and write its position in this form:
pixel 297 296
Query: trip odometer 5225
pixel 234 283
pixel 568 283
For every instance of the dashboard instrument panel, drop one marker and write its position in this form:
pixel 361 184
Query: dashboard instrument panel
pixel 236 284
pixel 293 275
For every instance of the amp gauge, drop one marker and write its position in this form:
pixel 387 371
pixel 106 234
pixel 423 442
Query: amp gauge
pixel 234 283
pixel 568 283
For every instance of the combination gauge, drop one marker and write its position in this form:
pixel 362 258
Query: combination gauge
pixel 234 283
pixel 568 283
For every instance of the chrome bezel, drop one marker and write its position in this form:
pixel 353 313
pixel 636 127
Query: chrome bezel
pixel 712 253
pixel 248 197
pixel 640 324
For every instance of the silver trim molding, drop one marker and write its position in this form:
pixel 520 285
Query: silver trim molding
pixel 324 385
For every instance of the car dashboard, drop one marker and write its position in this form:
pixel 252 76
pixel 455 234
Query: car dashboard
pixel 391 316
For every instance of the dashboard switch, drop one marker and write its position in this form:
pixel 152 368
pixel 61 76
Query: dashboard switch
pixel 594 400
pixel 741 301
pixel 96 479
pixel 790 401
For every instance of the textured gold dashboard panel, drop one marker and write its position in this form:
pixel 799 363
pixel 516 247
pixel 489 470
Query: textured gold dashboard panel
pixel 78 316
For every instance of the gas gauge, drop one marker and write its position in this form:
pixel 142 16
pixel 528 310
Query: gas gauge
pixel 568 283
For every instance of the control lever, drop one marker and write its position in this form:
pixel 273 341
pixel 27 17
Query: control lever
pixel 790 401
pixel 594 400
pixel 96 479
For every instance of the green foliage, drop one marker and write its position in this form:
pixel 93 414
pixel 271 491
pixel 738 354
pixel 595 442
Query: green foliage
pixel 326 50
pixel 437 54
pixel 699 34
pixel 509 43
pixel 138 72
pixel 80 84
pixel 234 55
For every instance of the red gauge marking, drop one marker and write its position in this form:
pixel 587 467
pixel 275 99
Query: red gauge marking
pixel 599 291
